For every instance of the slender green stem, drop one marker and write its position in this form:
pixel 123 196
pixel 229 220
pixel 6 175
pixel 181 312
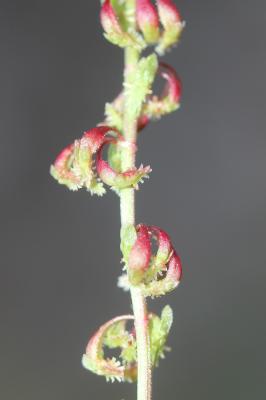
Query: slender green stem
pixel 127 208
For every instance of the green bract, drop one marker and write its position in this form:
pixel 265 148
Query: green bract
pixel 159 329
pixel 139 84
pixel 128 237
pixel 170 37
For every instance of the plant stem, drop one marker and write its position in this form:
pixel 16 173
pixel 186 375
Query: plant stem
pixel 127 209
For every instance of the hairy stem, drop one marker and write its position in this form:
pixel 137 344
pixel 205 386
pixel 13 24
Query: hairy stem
pixel 127 208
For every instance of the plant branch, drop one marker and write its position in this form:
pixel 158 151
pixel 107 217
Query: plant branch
pixel 132 25
pixel 127 207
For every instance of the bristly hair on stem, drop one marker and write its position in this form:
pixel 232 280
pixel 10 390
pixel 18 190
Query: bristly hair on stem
pixel 152 266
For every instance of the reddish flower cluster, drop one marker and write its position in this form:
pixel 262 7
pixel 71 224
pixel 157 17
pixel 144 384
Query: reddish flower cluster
pixel 157 273
pixel 148 17
pixel 115 334
pixel 74 167
pixel 112 369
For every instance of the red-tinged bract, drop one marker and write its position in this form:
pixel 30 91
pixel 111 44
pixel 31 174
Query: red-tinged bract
pixel 172 25
pixel 140 255
pixel 94 358
pixel 168 12
pixel 169 99
pixel 173 88
pixel 115 27
pixel 148 20
pixel 170 280
pixel 95 137
pixel 109 19
pixel 60 169
pixel 143 122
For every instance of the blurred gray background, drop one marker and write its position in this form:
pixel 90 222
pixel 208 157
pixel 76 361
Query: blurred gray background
pixel 60 250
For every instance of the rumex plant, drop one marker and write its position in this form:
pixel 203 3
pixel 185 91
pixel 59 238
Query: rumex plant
pixel 152 267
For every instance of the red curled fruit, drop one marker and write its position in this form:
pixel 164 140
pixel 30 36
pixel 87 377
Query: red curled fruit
pixel 113 369
pixel 116 179
pixel 169 100
pixel 172 89
pixel 74 165
pixel 158 273
pixel 60 169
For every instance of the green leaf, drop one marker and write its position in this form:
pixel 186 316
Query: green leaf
pixel 157 108
pixel 113 116
pixel 116 335
pixel 125 39
pixel 129 353
pixel 159 329
pixel 139 84
pixel 114 157
pixel 128 238
pixel 167 318
pixel 96 187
